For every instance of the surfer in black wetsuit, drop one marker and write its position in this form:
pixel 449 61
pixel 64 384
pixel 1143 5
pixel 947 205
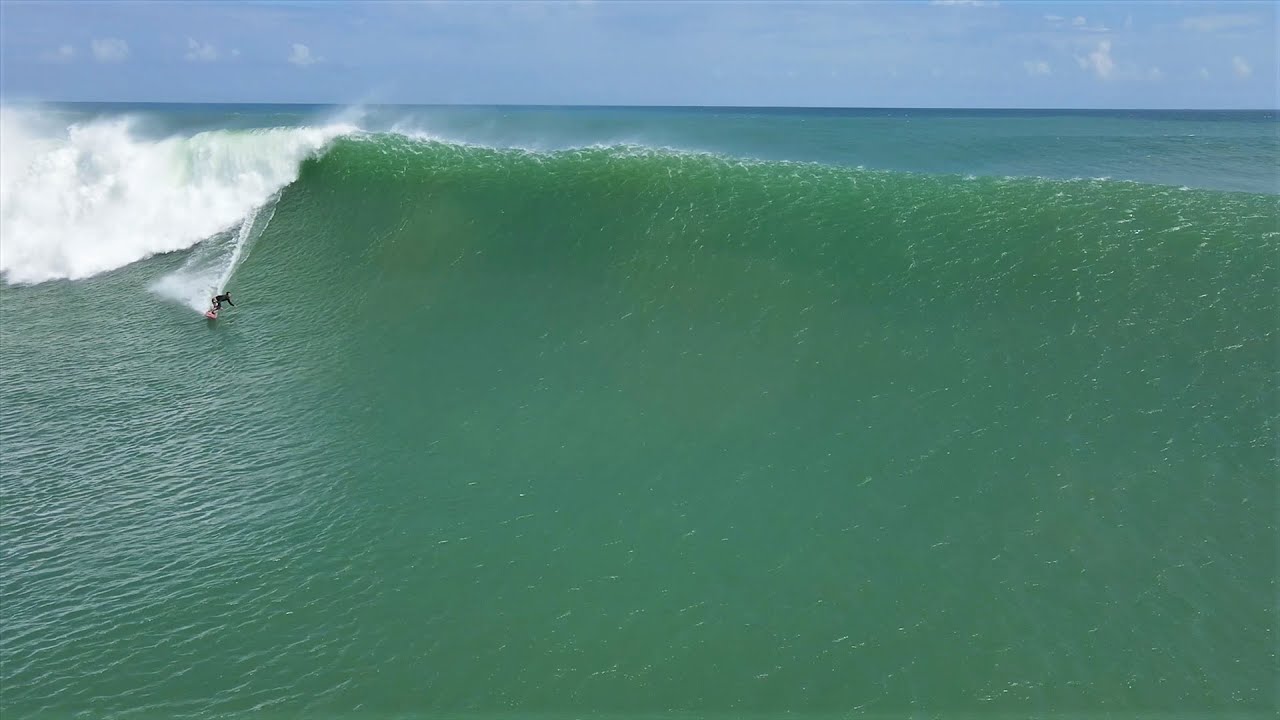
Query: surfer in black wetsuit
pixel 217 301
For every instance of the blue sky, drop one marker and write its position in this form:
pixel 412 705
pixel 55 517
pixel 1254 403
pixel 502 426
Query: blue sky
pixel 948 53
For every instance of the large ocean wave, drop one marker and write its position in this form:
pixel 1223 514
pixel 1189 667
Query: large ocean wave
pixel 87 196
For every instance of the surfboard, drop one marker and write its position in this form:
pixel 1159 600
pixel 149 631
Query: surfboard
pixel 211 314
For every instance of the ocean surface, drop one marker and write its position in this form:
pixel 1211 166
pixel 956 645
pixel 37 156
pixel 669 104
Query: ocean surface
pixel 617 412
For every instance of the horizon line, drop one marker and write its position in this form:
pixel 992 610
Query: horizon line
pixel 627 106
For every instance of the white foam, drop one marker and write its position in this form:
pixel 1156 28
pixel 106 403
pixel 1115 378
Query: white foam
pixel 490 138
pixel 82 199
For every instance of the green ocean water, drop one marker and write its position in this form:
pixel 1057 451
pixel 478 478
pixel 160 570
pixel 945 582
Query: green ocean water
pixel 635 426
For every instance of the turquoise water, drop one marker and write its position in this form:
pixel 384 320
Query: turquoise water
pixel 638 413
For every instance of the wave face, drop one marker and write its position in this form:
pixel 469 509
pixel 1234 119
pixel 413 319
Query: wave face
pixel 93 197
pixel 587 426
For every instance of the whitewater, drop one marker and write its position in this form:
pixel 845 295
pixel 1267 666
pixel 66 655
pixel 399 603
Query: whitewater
pixel 92 196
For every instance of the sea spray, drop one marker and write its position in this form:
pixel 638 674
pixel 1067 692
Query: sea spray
pixel 209 267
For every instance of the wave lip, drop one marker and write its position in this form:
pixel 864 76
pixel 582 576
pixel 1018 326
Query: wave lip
pixel 97 196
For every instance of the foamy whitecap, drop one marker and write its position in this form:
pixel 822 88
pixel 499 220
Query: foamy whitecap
pixel 95 196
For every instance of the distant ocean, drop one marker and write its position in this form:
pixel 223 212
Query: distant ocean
pixel 661 412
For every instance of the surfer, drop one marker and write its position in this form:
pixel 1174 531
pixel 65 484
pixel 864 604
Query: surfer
pixel 217 301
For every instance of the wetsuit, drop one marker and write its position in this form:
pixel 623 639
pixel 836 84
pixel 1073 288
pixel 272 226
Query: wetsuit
pixel 217 301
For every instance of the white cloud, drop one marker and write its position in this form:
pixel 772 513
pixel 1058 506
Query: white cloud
pixel 1099 60
pixel 302 57
pixel 110 50
pixel 1204 73
pixel 1078 22
pixel 1037 67
pixel 1216 23
pixel 64 54
pixel 200 52
pixel 1241 66
pixel 1156 73
pixel 235 52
